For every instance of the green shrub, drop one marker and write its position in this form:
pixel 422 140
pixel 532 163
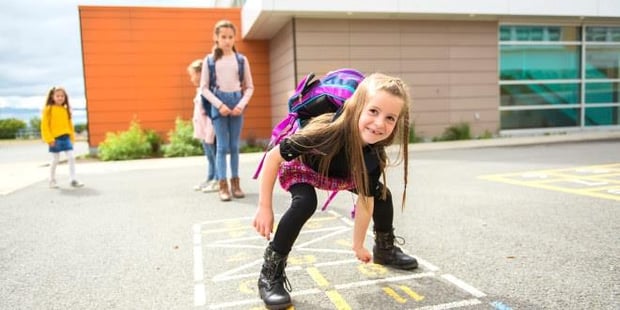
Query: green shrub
pixel 9 127
pixel 458 131
pixel 486 135
pixel 182 142
pixel 155 141
pixel 79 128
pixel 413 138
pixel 252 145
pixel 35 123
pixel 130 144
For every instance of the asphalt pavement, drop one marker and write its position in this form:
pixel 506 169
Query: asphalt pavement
pixel 513 223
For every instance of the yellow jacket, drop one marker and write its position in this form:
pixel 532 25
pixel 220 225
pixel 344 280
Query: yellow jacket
pixel 55 122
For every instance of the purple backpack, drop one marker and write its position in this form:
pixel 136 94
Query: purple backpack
pixel 314 97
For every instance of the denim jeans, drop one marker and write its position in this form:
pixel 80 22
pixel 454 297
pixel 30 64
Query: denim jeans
pixel 227 134
pixel 210 154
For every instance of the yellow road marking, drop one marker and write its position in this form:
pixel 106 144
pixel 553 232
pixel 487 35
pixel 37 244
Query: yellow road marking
pixel 322 219
pixel 245 287
pixel 337 300
pixel 372 270
pixel 345 243
pixel 394 295
pixel 317 277
pixel 545 179
pixel 411 293
pixel 301 259
pixel 564 190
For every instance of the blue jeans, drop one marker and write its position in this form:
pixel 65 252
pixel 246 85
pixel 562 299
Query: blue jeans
pixel 210 154
pixel 227 134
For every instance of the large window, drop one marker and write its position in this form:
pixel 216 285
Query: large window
pixel 559 76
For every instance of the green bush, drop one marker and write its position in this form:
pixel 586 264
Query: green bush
pixel 182 142
pixel 252 145
pixel 459 131
pixel 9 127
pixel 35 123
pixel 130 144
pixel 79 128
pixel 413 138
pixel 486 135
pixel 155 141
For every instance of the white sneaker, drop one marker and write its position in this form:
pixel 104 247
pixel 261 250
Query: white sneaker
pixel 201 185
pixel 212 186
pixel 53 184
pixel 76 183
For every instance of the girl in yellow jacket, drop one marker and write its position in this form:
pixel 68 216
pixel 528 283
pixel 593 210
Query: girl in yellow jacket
pixel 57 131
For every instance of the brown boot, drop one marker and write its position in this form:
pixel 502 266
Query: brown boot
pixel 236 188
pixel 224 193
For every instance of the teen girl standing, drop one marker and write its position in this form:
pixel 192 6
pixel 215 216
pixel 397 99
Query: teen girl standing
pixel 228 99
pixel 58 132
pixel 375 116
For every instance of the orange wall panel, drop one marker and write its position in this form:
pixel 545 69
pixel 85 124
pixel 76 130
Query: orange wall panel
pixel 135 62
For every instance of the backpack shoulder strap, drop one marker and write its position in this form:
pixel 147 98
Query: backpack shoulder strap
pixel 211 66
pixel 241 65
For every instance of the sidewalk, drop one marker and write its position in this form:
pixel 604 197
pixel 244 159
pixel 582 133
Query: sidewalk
pixel 23 164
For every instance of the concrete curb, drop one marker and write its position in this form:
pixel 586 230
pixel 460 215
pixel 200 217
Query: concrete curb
pixel 17 175
pixel 516 141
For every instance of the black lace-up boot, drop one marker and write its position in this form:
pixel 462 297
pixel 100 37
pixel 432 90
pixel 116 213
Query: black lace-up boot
pixel 273 286
pixel 386 253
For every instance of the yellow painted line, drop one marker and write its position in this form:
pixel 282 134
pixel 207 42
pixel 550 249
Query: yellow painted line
pixel 246 286
pixel 411 293
pixel 575 180
pixel 390 292
pixel 562 189
pixel 317 277
pixel 372 270
pixel 337 300
pixel 301 260
pixel 553 171
pixel 567 178
pixel 607 178
pixel 601 188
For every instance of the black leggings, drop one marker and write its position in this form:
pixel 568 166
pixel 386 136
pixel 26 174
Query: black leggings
pixel 303 205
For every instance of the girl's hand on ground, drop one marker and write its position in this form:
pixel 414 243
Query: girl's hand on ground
pixel 263 222
pixel 362 254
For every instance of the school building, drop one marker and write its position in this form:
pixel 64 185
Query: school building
pixel 502 66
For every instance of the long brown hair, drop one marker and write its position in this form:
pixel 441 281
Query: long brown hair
pixel 217 51
pixel 50 99
pixel 344 131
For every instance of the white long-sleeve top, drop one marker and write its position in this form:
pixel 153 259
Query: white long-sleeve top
pixel 227 79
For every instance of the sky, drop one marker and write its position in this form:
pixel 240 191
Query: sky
pixel 40 47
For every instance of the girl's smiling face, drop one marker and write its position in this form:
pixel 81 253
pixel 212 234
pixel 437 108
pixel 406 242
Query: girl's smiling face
pixel 379 117
pixel 59 97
